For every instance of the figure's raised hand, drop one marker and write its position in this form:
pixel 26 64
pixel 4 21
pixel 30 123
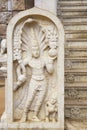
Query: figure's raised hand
pixel 53 53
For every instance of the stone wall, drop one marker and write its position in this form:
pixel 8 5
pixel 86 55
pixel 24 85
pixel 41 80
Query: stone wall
pixel 8 9
pixel 73 14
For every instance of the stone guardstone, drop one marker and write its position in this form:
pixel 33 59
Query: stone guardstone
pixel 34 91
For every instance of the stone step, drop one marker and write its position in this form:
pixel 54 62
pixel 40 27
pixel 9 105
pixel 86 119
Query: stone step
pixel 76 45
pixel 76 40
pixel 76 32
pixel 76 71
pixel 82 107
pixel 74 7
pixel 73 3
pixel 73 16
pixel 74 19
pixel 74 23
pixel 77 85
pixel 75 27
pixel 67 14
pixel 77 58
pixel 76 36
pixel 77 102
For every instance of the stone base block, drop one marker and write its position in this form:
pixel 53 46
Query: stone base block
pixel 30 126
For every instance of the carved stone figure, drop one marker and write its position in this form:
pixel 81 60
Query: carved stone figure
pixel 35 69
pixel 37 63
pixel 51 109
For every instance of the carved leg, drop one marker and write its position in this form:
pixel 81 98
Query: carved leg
pixel 41 96
pixel 54 117
pixel 47 112
pixel 47 115
pixel 28 103
pixel 21 77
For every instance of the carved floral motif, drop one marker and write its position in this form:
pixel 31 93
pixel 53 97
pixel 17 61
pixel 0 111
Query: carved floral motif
pixel 75 112
pixel 72 93
pixel 68 64
pixel 70 78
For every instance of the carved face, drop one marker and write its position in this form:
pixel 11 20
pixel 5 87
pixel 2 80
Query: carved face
pixel 35 52
pixel 53 101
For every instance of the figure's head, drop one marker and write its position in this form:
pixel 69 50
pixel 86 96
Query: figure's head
pixel 53 100
pixel 35 51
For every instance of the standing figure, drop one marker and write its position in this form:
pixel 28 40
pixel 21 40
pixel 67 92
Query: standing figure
pixel 37 85
pixel 51 109
pixel 39 56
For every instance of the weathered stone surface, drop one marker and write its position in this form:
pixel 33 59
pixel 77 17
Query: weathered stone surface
pixel 14 13
pixel 76 124
pixel 3 29
pixel 29 4
pixel 76 112
pixel 47 5
pixel 3 5
pixel 21 30
pixel 18 5
pixel 5 17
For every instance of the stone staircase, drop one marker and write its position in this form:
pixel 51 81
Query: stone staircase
pixel 73 14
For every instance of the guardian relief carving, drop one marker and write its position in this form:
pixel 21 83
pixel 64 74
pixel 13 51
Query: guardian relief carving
pixel 35 57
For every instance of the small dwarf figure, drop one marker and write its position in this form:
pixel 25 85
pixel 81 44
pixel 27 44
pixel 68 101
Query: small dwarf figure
pixel 51 109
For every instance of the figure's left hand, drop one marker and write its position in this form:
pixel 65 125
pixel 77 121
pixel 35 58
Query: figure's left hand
pixel 53 53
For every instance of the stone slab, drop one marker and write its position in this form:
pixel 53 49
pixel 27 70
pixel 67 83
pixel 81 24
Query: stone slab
pixel 31 126
pixel 16 5
pixel 5 17
pixel 3 5
pixel 3 29
pixel 47 5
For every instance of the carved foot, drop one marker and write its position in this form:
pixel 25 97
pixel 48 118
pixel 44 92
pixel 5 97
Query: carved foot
pixel 53 120
pixel 35 118
pixel 15 87
pixel 23 119
pixel 47 119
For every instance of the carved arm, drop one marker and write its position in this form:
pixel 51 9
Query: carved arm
pixel 50 66
pixel 21 73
